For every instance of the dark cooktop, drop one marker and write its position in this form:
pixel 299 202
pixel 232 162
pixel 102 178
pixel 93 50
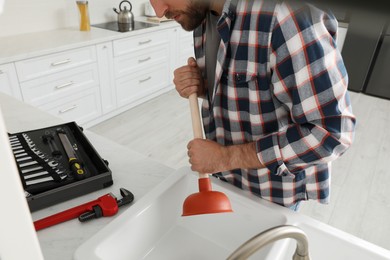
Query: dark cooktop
pixel 114 26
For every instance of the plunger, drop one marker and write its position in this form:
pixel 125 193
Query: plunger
pixel 206 201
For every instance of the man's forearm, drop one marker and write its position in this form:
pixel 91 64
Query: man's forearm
pixel 242 156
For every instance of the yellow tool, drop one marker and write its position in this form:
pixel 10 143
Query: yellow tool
pixel 74 164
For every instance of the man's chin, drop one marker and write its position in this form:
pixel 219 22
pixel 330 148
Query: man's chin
pixel 188 27
pixel 190 22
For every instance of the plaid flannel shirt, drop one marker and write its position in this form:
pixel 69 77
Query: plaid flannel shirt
pixel 280 82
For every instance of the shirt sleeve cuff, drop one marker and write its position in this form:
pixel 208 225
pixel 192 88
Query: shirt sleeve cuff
pixel 269 155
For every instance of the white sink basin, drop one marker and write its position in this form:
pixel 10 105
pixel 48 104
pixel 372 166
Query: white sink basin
pixel 153 228
pixel 326 243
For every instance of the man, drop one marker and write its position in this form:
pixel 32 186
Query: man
pixel 276 110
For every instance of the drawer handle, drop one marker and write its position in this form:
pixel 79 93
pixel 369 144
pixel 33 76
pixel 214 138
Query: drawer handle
pixel 144 42
pixel 144 80
pixel 65 85
pixel 60 62
pixel 67 109
pixel 144 60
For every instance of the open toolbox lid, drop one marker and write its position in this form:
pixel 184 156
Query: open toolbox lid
pixel 44 165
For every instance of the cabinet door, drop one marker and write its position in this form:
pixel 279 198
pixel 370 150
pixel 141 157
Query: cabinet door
pixel 186 47
pixel 9 82
pixel 182 47
pixel 106 73
pixel 379 83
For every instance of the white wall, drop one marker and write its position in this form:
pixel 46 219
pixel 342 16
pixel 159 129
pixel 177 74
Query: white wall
pixel 25 16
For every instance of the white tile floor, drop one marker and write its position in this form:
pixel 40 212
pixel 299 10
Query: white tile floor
pixel 360 202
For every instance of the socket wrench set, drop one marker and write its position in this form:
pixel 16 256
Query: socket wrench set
pixel 58 163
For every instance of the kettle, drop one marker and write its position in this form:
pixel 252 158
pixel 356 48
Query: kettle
pixel 125 17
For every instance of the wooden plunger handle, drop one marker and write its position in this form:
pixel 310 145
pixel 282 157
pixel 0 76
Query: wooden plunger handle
pixel 195 116
pixel 196 123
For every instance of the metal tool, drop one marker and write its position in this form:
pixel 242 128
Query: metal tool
pixel 32 169
pixel 35 174
pixel 75 164
pixel 23 165
pixel 40 180
pixel 26 158
pixel 106 206
pixel 20 155
pixel 16 147
pixel 35 166
pixel 48 138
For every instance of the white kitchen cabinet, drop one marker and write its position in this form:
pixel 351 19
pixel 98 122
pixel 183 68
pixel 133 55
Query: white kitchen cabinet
pixel 106 73
pixel 186 47
pixel 58 85
pixel 142 84
pixel 182 47
pixel 94 79
pixel 141 42
pixel 81 107
pixel 141 60
pixel 56 62
pixel 9 81
pixel 142 66
pixel 65 84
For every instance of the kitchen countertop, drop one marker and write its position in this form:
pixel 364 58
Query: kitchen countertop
pixel 140 175
pixel 25 46
pixel 130 170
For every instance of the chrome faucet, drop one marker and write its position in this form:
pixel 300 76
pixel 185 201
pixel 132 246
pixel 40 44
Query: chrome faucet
pixel 271 235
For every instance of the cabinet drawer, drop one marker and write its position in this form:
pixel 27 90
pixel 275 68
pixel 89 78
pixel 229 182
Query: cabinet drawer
pixel 145 41
pixel 141 60
pixel 81 107
pixel 134 87
pixel 9 81
pixel 53 87
pixel 44 65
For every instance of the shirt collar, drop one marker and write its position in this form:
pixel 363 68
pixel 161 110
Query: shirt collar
pixel 229 9
pixel 226 21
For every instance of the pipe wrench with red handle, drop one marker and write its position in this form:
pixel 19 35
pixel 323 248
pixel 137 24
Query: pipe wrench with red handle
pixel 105 206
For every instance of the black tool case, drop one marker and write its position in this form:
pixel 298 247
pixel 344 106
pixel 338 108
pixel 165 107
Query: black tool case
pixel 44 167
